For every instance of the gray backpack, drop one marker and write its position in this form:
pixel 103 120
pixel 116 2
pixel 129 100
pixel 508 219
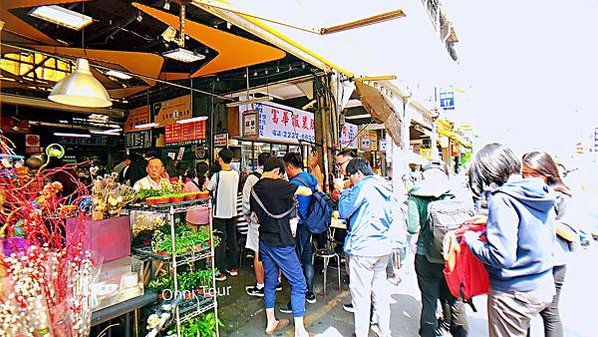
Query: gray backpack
pixel 444 215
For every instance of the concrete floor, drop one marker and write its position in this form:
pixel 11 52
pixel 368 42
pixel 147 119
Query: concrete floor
pixel 244 315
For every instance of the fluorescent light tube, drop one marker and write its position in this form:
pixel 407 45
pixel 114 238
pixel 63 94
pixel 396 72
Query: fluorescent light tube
pixel 358 116
pixel 183 55
pixel 191 120
pixel 249 101
pixel 62 16
pixel 118 75
pixel 146 125
pixel 72 135
pixel 109 132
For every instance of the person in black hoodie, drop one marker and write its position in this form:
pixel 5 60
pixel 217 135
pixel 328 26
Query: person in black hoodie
pixel 520 237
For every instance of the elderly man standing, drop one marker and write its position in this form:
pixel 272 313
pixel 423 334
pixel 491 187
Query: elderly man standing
pixel 154 179
pixel 371 208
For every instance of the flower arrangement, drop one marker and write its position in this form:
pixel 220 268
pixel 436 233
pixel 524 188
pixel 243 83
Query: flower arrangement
pixel 109 197
pixel 45 272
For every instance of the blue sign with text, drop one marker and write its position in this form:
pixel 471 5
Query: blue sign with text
pixel 447 100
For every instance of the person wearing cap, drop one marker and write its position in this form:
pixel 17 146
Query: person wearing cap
pixel 430 278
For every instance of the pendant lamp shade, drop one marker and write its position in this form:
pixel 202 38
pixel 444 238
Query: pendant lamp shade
pixel 81 89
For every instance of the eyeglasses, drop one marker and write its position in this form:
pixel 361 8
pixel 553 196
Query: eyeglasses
pixel 339 165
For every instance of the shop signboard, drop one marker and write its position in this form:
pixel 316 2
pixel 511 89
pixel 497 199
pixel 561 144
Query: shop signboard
pixel 382 145
pixel 373 141
pixel 595 139
pixel 221 140
pixel 447 99
pixel 137 116
pixel 365 143
pixel 32 144
pixel 285 124
pixel 168 112
pixel 348 136
pixel 92 141
pixel 138 140
pixel 183 134
pixel 250 123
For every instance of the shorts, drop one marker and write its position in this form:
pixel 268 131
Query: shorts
pixel 253 237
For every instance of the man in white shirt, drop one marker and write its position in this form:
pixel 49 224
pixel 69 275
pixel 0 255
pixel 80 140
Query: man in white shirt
pixel 223 186
pixel 153 180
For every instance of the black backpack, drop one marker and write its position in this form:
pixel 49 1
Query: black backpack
pixel 319 213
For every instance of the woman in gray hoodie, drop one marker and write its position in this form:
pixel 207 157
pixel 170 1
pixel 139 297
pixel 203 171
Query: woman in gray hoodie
pixel 520 236
pixel 541 165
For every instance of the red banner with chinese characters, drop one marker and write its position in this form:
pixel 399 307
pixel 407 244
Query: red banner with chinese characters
pixel 181 133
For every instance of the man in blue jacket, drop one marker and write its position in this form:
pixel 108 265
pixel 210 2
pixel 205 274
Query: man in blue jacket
pixel 294 170
pixel 371 207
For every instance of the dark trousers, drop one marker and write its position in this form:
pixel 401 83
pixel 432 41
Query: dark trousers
pixel 553 326
pixel 433 287
pixel 304 252
pixel 285 259
pixel 226 230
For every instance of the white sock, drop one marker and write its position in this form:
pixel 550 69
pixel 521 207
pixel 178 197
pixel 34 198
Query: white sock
pixel 259 285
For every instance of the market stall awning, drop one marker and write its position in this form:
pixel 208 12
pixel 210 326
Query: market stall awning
pixel 407 47
pixel 381 110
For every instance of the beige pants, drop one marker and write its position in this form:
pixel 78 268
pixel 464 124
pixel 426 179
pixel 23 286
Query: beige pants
pixel 368 285
pixel 510 314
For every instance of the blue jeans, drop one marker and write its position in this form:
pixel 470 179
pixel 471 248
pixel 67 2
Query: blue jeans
pixel 285 259
pixel 304 252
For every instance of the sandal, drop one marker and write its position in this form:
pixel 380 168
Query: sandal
pixel 283 323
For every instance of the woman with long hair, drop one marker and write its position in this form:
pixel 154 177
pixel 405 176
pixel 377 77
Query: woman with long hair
pixel 520 233
pixel 537 164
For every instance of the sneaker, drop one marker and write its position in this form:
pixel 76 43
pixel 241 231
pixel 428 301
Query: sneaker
pixel 348 307
pixel 279 286
pixel 254 291
pixel 286 309
pixel 310 297
pixel 220 277
pixel 376 329
pixel 233 272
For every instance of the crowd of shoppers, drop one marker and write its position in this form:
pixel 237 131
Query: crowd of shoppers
pixel 525 201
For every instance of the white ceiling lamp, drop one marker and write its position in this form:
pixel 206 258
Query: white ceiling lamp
pixel 118 74
pixel 147 125
pixel 191 120
pixel 249 101
pixel 183 55
pixel 180 54
pixel 72 135
pixel 62 16
pixel 81 89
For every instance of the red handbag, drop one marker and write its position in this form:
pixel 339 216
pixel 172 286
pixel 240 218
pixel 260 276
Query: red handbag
pixel 465 275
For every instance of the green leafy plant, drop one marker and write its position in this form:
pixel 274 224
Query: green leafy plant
pixel 148 193
pixel 201 326
pixel 185 240
pixel 160 284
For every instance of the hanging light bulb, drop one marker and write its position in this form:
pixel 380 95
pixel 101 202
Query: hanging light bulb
pixel 81 89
